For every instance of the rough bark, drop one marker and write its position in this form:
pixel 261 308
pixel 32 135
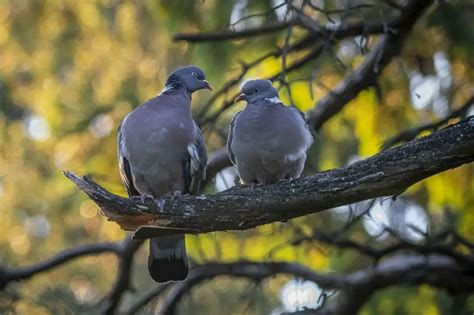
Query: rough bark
pixel 385 174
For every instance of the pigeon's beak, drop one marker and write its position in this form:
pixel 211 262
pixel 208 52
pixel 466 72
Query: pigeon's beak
pixel 207 85
pixel 240 97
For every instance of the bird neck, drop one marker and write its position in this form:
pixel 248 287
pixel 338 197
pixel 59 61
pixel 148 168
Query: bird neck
pixel 173 84
pixel 274 100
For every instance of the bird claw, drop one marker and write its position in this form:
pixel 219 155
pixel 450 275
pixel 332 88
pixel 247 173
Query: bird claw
pixel 160 203
pixel 146 197
pixel 251 186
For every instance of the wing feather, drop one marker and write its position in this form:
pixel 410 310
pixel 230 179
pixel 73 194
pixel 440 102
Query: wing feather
pixel 230 139
pixel 124 167
pixel 195 163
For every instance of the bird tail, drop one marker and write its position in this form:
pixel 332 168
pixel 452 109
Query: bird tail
pixel 167 260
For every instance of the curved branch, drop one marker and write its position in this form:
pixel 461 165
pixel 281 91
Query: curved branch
pixel 153 294
pixel 122 283
pixel 440 271
pixel 354 288
pixel 23 273
pixel 256 271
pixel 387 173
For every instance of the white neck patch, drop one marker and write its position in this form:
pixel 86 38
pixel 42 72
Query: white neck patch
pixel 167 88
pixel 275 100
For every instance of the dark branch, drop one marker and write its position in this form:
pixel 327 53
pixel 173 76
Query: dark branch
pixel 250 270
pixel 412 133
pixel 387 173
pixel 122 284
pixel 153 294
pixel 226 35
pixel 367 73
pixel 298 64
pixel 22 273
pixel 436 270
pixel 123 251
pixel 396 30
pixel 317 31
pixel 445 243
pixel 354 288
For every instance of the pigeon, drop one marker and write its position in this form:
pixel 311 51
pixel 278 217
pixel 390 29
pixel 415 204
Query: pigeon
pixel 267 141
pixel 161 151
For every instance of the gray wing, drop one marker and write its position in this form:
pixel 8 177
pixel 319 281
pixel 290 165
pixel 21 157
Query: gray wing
pixel 230 138
pixel 303 116
pixel 195 163
pixel 124 167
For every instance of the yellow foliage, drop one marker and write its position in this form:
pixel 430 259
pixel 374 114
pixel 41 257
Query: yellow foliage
pixel 364 113
pixel 66 62
pixel 301 96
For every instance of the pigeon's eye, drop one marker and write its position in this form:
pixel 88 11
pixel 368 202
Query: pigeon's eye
pixel 255 91
pixel 194 74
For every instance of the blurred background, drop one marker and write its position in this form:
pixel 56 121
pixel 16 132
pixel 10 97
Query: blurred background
pixel 71 70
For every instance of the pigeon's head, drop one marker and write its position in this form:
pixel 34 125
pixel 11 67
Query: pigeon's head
pixel 191 77
pixel 256 90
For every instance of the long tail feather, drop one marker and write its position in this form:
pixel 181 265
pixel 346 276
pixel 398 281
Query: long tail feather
pixel 167 260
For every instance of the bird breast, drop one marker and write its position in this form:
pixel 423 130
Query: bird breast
pixel 272 129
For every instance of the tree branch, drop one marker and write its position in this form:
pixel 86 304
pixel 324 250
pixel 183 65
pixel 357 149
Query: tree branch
pixel 250 270
pixel 229 34
pixel 412 133
pixel 396 30
pixel 354 288
pixel 124 252
pixel 122 283
pixel 147 298
pixel 367 73
pixel 316 31
pixel 8 275
pixel 437 270
pixel 387 173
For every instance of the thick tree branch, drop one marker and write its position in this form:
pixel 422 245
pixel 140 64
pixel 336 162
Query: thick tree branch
pixel 367 73
pixel 387 173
